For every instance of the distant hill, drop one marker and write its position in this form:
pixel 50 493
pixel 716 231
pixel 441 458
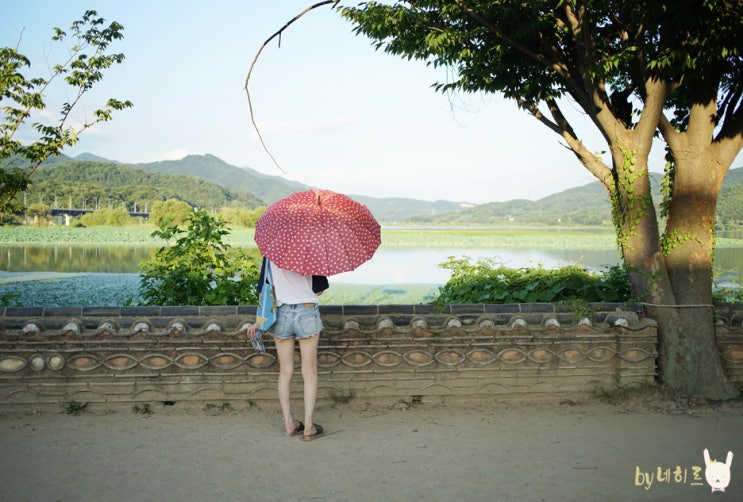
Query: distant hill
pixel 584 205
pixel 106 183
pixel 273 188
pixel 267 188
pixel 400 209
pixel 207 181
pixel 89 157
pixel 734 177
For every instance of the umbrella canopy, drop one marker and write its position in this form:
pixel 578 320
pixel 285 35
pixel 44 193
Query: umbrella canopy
pixel 317 232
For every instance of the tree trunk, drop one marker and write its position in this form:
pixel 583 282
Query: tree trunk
pixel 636 221
pixel 673 277
pixel 689 357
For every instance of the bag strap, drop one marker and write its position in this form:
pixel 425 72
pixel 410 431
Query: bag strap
pixel 268 272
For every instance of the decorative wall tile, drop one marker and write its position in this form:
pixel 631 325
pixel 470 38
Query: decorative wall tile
pixel 150 354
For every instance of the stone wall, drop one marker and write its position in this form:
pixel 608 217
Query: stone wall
pixel 729 333
pixel 380 354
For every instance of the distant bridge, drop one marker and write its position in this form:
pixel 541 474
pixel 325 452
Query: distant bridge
pixel 58 211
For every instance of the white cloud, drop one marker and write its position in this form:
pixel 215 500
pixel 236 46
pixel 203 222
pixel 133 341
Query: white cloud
pixel 175 154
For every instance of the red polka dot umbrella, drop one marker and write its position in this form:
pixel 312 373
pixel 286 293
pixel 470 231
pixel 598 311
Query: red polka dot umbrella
pixel 317 232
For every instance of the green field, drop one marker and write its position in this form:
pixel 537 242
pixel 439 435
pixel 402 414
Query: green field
pixel 409 237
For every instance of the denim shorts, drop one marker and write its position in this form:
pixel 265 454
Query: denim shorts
pixel 296 321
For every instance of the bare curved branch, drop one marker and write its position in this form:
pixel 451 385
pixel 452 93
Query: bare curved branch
pixel 255 59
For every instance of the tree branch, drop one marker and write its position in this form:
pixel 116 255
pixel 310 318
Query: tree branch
pixel 730 137
pixel 559 68
pixel 535 112
pixel 732 119
pixel 656 93
pixel 255 59
pixel 590 161
pixel 562 127
pixel 669 133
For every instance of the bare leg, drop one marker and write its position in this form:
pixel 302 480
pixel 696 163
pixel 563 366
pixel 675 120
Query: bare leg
pixel 308 349
pixel 285 352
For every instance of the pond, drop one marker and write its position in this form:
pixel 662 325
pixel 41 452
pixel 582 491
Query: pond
pixel 388 266
pixel 83 275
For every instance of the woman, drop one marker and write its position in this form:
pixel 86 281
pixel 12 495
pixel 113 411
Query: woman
pixel 297 317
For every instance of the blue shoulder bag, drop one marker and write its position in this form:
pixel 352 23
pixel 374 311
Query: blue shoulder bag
pixel 265 316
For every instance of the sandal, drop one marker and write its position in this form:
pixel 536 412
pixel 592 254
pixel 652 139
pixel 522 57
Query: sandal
pixel 318 432
pixel 299 429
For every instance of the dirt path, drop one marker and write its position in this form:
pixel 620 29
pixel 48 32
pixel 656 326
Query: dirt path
pixel 502 451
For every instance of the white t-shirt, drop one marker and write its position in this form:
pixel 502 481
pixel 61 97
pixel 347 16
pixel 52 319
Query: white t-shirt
pixel 290 287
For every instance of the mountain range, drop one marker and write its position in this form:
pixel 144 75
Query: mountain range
pixel 586 205
pixel 270 189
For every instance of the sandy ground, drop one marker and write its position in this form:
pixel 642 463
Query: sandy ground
pixel 551 451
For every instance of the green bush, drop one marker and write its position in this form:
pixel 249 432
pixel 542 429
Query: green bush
pixel 728 294
pixel 199 269
pixel 112 217
pixel 9 300
pixel 242 216
pixel 488 282
pixel 170 212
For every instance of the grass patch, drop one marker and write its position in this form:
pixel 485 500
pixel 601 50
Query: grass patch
pixel 341 398
pixel 145 409
pixel 217 409
pixel 75 407
pixel 647 397
pixel 399 294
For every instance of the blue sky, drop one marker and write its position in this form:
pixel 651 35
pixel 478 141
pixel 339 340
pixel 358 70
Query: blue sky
pixel 334 112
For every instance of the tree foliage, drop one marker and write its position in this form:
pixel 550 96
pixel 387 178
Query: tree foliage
pixel 638 69
pixel 22 97
pixel 198 268
pixel 38 212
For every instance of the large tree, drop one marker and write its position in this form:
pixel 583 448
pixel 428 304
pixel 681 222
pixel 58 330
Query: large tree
pixel 23 99
pixel 639 69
